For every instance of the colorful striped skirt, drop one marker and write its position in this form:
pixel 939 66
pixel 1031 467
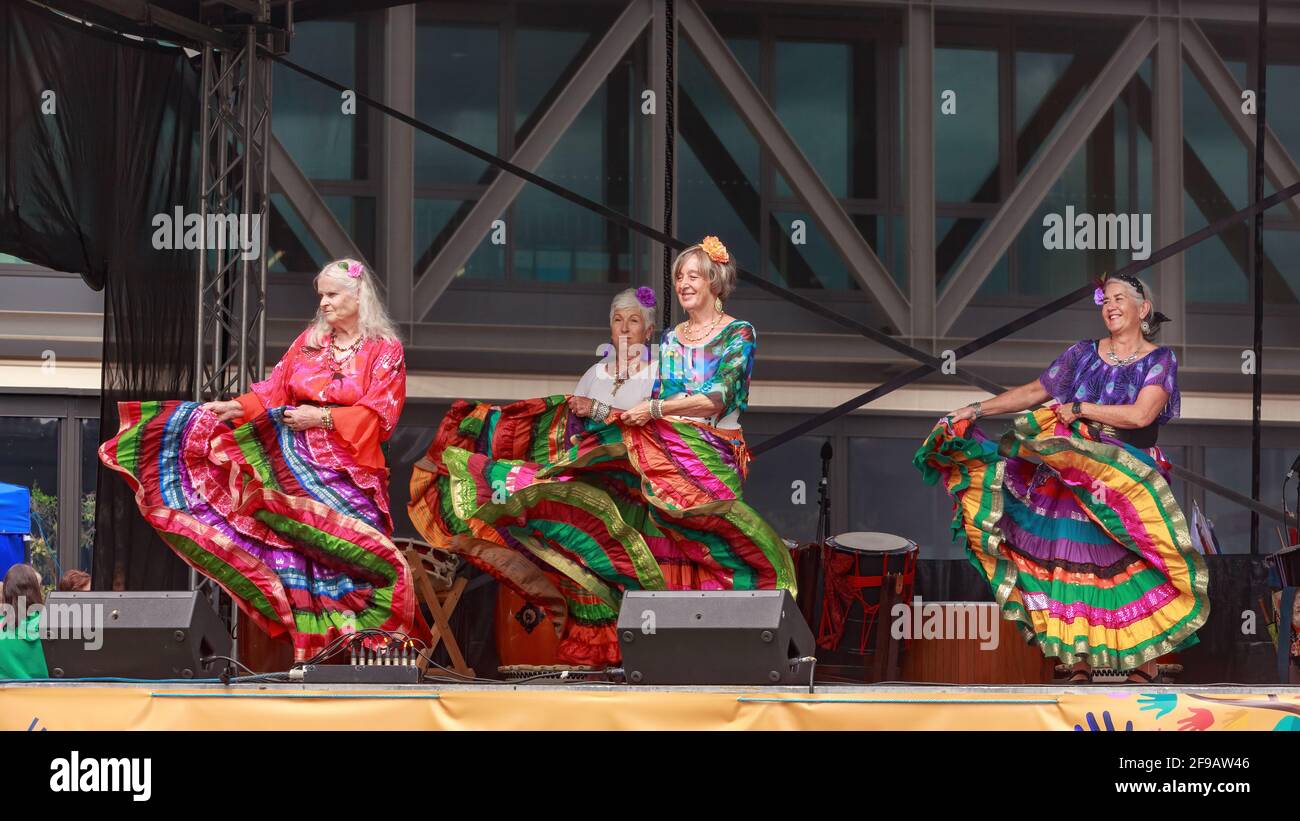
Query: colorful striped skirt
pixel 286 522
pixel 571 513
pixel 1077 534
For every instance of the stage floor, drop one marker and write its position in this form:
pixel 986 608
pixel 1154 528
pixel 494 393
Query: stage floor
pixel 564 706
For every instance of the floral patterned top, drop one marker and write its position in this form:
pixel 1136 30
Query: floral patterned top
pixel 1081 375
pixel 368 391
pixel 721 366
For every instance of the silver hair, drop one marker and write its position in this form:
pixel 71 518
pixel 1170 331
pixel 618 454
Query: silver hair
pixel 1147 295
pixel 372 317
pixel 722 275
pixel 627 299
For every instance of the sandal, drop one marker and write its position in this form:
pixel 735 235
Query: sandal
pixel 1080 677
pixel 1139 676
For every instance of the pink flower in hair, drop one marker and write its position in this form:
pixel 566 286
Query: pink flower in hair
pixel 355 269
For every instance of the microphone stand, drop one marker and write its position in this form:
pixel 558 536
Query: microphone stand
pixel 823 534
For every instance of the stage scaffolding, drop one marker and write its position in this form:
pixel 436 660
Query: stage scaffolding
pixel 235 180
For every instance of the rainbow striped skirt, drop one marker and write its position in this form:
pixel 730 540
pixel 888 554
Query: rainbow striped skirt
pixel 570 513
pixel 1077 534
pixel 285 521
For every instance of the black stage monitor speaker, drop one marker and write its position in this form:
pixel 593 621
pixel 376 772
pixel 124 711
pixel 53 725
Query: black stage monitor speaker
pixel 714 637
pixel 131 635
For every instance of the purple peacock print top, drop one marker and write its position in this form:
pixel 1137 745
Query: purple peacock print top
pixel 1081 375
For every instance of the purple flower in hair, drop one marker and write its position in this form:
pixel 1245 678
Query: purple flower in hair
pixel 645 296
pixel 1099 296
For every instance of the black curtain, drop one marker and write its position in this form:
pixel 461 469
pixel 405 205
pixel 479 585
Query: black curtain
pixel 84 171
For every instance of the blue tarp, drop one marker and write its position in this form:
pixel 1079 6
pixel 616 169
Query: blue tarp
pixel 15 522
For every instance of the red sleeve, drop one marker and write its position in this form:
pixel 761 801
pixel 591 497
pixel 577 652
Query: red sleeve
pixel 273 391
pixel 252 406
pixel 372 419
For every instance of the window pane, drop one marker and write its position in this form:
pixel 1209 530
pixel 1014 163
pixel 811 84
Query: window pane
pixel 1044 93
pixel 1216 267
pixel 717 158
pixel 456 90
pixel 770 487
pixel 290 246
pixel 1284 247
pixel 953 239
pixel 307 117
pixel 880 470
pixel 89 475
pixel 966 143
pixel 541 57
pixel 357 216
pixel 1231 467
pixel 1284 119
pixel 825 98
pixel 1044 271
pixel 434 222
pixel 812 263
pixel 31 450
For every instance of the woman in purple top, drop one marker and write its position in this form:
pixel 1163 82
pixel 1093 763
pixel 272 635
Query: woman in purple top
pixel 1070 517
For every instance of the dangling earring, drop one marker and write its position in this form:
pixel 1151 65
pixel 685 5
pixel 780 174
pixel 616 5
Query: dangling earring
pixel 717 304
pixel 1146 327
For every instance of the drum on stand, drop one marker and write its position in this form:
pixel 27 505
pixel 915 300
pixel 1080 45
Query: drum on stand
pixel 857 567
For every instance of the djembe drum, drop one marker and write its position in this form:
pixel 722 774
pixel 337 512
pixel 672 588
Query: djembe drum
pixel 857 566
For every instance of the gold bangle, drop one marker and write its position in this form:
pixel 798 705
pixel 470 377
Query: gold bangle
pixel 327 419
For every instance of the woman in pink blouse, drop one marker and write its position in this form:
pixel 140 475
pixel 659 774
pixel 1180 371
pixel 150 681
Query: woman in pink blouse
pixel 281 494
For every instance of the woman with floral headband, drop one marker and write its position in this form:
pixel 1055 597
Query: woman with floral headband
pixel 286 506
pixel 1070 517
pixel 571 501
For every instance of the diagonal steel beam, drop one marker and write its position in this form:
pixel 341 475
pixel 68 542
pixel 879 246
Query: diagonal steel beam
pixel 1044 171
pixel 1217 79
pixel 316 215
pixel 588 79
pixel 767 128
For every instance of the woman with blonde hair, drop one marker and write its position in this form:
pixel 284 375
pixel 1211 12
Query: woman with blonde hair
pixel 571 501
pixel 280 495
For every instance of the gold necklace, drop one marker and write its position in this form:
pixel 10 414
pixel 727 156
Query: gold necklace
pixel 685 326
pixel 348 353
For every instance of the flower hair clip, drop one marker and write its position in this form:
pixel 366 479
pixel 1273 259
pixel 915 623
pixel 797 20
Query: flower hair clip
pixel 645 296
pixel 1099 295
pixel 717 252
pixel 353 269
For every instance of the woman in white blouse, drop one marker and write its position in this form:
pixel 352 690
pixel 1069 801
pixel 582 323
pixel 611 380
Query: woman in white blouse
pixel 624 377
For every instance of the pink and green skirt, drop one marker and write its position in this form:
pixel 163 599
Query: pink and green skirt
pixel 548 502
pixel 1077 534
pixel 286 522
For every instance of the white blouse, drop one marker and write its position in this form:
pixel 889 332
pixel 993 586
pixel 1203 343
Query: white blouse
pixel 597 384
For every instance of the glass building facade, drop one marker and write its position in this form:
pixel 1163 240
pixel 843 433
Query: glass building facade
pixel 525 297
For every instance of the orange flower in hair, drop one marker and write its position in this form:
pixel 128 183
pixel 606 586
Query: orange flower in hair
pixel 715 249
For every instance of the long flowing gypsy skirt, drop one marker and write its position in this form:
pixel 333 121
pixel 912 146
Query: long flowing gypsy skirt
pixel 285 521
pixel 571 513
pixel 1078 535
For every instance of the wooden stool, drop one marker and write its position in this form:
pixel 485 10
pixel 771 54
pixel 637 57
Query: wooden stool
pixel 438 588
